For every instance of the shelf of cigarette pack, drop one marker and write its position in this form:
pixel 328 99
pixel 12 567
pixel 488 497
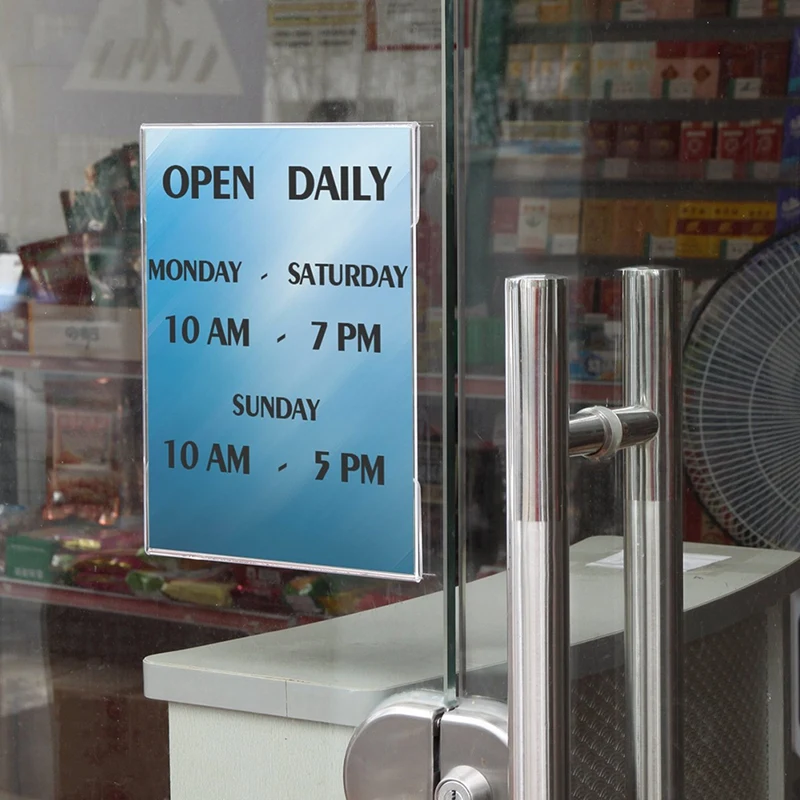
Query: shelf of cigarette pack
pixel 712 110
pixel 491 387
pixel 90 367
pixel 617 178
pixel 746 29
pixel 248 622
pixel 586 266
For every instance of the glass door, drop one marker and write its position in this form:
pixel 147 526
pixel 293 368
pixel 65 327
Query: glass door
pixel 81 601
pixel 604 136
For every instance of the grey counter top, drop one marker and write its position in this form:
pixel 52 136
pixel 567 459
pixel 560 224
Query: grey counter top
pixel 338 670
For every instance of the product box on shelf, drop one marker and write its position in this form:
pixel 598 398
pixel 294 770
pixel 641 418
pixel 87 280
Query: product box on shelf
pixel 739 75
pixel 791 136
pixel 793 88
pixel 574 75
pixel 671 75
pixel 788 209
pixel 545 72
pixel 605 68
pixel 773 67
pixel 632 220
pixel 629 140
pixel 697 141
pixel 734 141
pixel 597 227
pixel 703 68
pixel 662 140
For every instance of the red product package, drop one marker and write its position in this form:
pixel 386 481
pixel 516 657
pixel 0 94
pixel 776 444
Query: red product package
pixel 697 141
pixel 773 68
pixel 737 60
pixel 662 140
pixel 630 140
pixel 671 65
pixel 56 270
pixel 703 68
pixel 601 139
pixel 767 140
pixel 735 141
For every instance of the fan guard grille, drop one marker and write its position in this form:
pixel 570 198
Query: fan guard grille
pixel 742 399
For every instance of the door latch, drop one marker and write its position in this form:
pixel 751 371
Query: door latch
pixel 412 746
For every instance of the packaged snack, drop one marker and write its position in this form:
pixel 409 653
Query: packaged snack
pixel 200 593
pixel 83 438
pixel 30 559
pixel 306 594
pixel 130 155
pixel 127 209
pixel 89 212
pixel 113 265
pixel 55 270
pixel 83 481
pixel 111 173
pixel 703 68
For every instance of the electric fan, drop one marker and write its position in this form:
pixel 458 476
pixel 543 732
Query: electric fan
pixel 742 398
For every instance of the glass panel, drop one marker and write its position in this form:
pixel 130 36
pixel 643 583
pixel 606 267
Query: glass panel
pixel 80 604
pixel 604 135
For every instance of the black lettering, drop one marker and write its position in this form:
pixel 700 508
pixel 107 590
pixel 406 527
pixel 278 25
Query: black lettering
pixel 201 176
pixel 238 408
pixel 184 181
pixel 156 271
pixel 220 182
pixel 380 181
pixel 295 275
pixel 174 269
pixel 327 184
pixel 244 180
pixel 357 195
pixel 352 274
pixel 294 194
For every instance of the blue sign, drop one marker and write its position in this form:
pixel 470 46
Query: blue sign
pixel 280 367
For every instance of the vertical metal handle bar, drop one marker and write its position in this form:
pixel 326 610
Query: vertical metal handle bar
pixel 537 386
pixel 653 537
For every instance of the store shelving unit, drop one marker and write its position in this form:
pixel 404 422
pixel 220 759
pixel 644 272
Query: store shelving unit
pixel 245 622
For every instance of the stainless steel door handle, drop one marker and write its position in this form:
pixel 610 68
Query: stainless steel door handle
pixel 540 439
